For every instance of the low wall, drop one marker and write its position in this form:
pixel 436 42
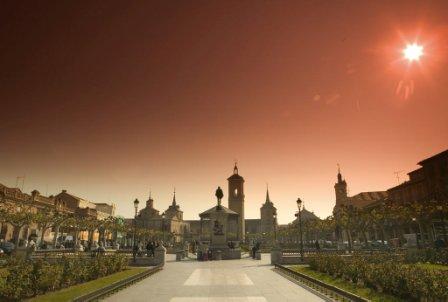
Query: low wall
pixel 232 254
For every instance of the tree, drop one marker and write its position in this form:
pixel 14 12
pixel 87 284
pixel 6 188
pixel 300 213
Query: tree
pixel 44 219
pixel 58 219
pixel 18 217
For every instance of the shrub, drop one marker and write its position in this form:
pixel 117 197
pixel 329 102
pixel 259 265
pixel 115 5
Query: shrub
pixel 23 279
pixel 386 274
pixel 429 255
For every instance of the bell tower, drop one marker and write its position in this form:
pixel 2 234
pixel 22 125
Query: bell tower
pixel 340 189
pixel 236 199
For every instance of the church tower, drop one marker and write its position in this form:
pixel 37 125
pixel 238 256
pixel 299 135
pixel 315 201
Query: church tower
pixel 268 215
pixel 236 199
pixel 340 189
pixel 173 210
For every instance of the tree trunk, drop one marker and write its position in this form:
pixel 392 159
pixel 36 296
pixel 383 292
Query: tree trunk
pixel 55 237
pixel 42 236
pixel 16 234
pixel 365 239
pixel 349 239
pixel 76 237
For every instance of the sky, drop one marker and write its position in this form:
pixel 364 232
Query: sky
pixel 113 99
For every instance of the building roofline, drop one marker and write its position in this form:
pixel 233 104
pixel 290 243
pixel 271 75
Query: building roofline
pixel 443 153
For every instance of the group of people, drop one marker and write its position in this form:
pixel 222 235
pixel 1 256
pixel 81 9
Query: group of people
pixel 138 249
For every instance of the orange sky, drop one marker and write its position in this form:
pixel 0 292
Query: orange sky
pixel 113 99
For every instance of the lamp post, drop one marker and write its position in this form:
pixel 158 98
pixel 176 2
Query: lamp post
pixel 163 227
pixel 299 216
pixel 136 202
pixel 275 229
pixel 419 231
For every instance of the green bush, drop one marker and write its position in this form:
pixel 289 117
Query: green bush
pixel 429 255
pixel 23 279
pixel 386 274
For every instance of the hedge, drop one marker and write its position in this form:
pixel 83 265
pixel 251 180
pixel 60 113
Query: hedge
pixel 384 273
pixel 23 279
pixel 434 256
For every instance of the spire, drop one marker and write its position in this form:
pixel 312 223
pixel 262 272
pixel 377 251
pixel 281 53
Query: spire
pixel 235 168
pixel 339 174
pixel 267 193
pixel 150 201
pixel 174 197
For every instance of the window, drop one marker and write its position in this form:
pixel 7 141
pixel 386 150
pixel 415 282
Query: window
pixel 235 192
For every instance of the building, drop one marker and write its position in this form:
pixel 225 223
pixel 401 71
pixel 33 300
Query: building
pixel 194 228
pixel 268 215
pixel 170 223
pixel 360 200
pixel 14 200
pixel 428 185
pixel 268 219
pixel 236 199
pixel 428 182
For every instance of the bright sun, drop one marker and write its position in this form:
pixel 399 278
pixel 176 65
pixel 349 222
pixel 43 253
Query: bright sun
pixel 413 52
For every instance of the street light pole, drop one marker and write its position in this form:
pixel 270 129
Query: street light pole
pixel 163 227
pixel 275 229
pixel 299 216
pixel 136 202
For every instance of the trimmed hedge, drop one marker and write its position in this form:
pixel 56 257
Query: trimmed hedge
pixel 386 274
pixel 23 279
pixel 434 256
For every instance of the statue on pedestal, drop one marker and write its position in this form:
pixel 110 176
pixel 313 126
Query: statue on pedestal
pixel 219 195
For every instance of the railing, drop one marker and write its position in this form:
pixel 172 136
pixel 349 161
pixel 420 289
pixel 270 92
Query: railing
pixel 45 254
pixel 116 286
pixel 331 291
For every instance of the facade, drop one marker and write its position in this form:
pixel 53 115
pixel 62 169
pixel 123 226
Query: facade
pixel 14 200
pixel 169 222
pixel 429 182
pixel 194 228
pixel 360 200
pixel 427 185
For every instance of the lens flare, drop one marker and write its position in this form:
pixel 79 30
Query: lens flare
pixel 413 52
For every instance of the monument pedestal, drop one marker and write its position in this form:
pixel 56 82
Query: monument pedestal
pixel 224 224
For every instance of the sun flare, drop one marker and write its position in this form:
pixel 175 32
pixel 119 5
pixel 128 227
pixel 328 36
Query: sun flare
pixel 413 52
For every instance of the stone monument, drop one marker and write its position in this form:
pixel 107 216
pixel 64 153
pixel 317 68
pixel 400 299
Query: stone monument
pixel 223 228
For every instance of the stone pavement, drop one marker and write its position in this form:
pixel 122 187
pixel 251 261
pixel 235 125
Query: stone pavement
pixel 244 280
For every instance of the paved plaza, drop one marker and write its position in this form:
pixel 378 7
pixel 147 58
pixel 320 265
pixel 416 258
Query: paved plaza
pixel 244 280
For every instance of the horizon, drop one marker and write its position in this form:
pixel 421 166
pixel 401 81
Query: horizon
pixel 250 207
pixel 113 100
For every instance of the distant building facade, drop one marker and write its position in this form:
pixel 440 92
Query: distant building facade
pixel 169 222
pixel 427 184
pixel 13 199
pixel 192 229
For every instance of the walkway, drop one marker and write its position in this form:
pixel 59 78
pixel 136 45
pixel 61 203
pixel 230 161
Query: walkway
pixel 243 280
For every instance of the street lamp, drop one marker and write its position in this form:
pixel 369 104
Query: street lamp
pixel 163 226
pixel 299 216
pixel 136 202
pixel 275 229
pixel 419 230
